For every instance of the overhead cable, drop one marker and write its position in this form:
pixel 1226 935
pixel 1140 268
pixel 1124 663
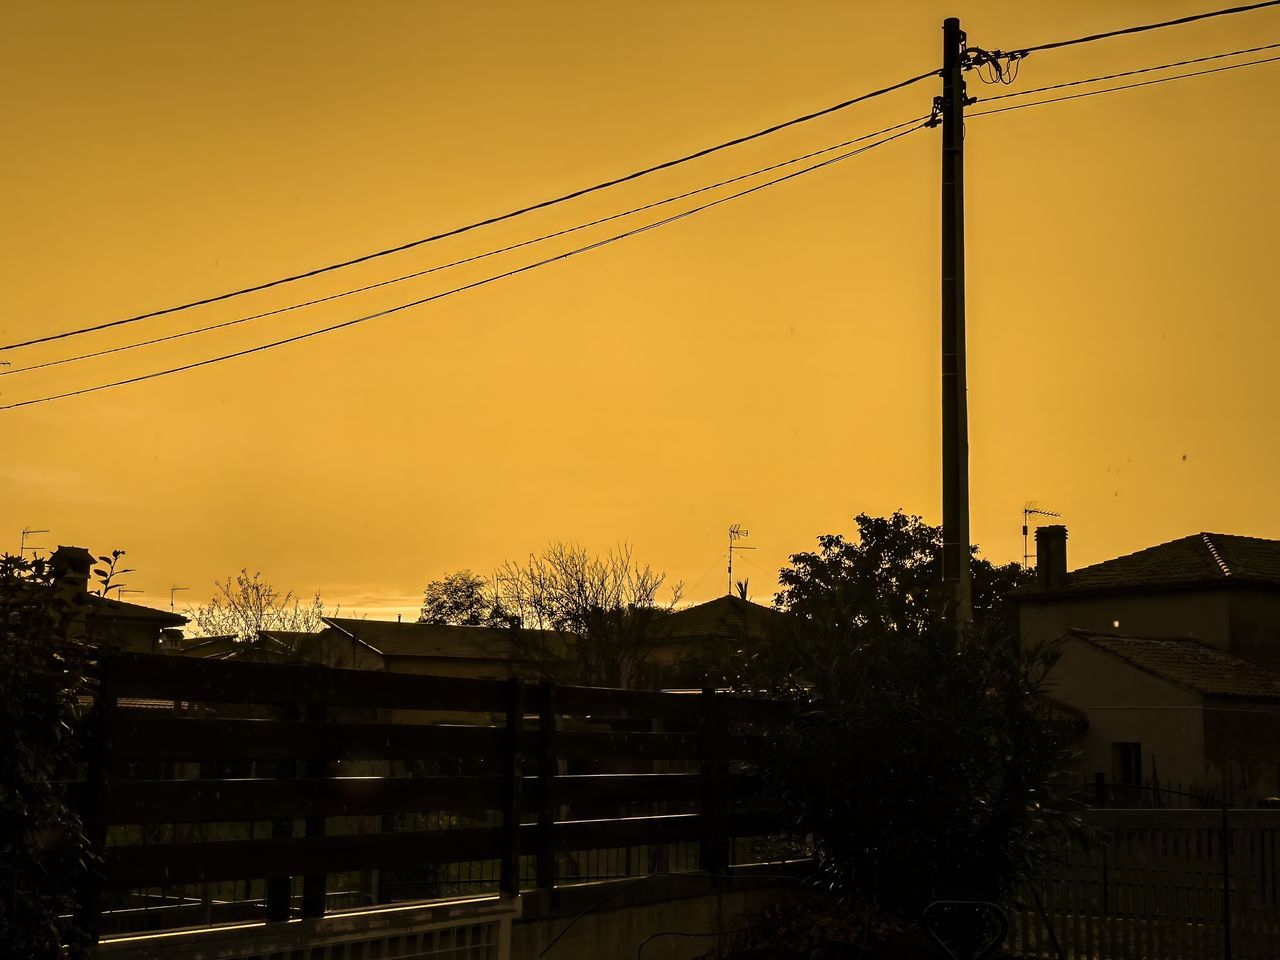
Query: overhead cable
pixel 456 263
pixel 1143 28
pixel 1127 73
pixel 470 286
pixel 1123 86
pixel 499 218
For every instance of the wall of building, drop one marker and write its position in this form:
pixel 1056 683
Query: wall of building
pixel 1255 626
pixel 1126 705
pixel 1205 615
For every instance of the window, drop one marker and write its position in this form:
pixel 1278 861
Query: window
pixel 1126 763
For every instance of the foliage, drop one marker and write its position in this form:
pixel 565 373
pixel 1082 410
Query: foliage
pixel 462 599
pixel 44 669
pixel 244 606
pixel 887 581
pixel 923 762
pixel 107 574
pixel 584 618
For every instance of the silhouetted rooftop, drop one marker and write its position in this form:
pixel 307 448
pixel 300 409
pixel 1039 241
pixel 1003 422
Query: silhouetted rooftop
pixel 1199 560
pixel 121 610
pixel 725 616
pixel 394 639
pixel 1190 663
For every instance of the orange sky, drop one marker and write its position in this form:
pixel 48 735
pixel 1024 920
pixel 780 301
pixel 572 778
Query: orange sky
pixel 772 362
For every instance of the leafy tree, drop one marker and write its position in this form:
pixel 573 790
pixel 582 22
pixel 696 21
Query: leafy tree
pixel 585 618
pixel 44 670
pixel 244 606
pixel 924 763
pixel 462 599
pixel 887 581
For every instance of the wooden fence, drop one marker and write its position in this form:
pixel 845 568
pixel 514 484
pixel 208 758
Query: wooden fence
pixel 1162 885
pixel 218 790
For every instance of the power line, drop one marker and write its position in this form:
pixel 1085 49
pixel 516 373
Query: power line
pixel 1125 86
pixel 456 263
pixel 1143 28
pixel 456 231
pixel 470 286
pixel 1126 73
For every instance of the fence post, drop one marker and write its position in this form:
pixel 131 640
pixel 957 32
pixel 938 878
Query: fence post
pixel 1226 884
pixel 509 883
pixel 547 770
pixel 89 896
pixel 712 855
pixel 313 884
pixel 280 889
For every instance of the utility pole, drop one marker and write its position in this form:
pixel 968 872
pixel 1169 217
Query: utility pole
pixel 955 408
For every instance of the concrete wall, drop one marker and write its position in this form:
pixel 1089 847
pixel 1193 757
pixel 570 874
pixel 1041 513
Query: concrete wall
pixel 1205 615
pixel 1126 705
pixel 1255 626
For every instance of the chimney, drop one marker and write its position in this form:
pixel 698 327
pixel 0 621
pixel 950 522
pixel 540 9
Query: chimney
pixel 71 567
pixel 1051 556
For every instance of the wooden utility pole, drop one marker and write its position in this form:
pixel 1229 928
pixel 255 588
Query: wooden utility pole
pixel 955 407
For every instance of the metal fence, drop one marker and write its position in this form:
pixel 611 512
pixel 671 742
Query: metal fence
pixel 1181 884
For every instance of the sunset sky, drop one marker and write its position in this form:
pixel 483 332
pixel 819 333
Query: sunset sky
pixel 772 361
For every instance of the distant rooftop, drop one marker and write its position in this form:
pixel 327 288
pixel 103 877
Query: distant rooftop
pixel 394 639
pixel 725 616
pixel 1190 663
pixel 106 607
pixel 1198 560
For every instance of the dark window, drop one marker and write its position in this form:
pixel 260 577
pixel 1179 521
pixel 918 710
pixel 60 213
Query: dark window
pixel 1126 762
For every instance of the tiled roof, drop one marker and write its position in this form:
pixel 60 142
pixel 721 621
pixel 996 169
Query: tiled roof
pixel 394 639
pixel 106 608
pixel 725 616
pixel 1200 559
pixel 1190 663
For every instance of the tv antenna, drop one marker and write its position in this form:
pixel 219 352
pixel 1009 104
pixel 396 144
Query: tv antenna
pixel 22 544
pixel 736 533
pixel 1031 509
pixel 172 591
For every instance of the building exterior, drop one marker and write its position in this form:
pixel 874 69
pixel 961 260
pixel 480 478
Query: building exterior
pixel 113 623
pixel 1171 656
pixel 1170 711
pixel 1222 590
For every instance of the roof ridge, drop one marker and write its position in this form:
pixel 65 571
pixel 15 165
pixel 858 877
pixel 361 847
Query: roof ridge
pixel 1213 552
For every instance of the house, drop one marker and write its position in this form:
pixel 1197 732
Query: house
pixel 1170 710
pixel 1170 656
pixel 428 648
pixel 686 640
pixel 1220 589
pixel 102 620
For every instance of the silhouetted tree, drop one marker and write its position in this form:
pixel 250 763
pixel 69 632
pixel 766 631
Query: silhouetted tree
pixel 44 671
pixel 888 580
pixel 462 599
pixel 244 606
pixel 924 763
pixel 585 618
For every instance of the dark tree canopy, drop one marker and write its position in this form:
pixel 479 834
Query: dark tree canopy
pixel 44 670
pixel 461 599
pixel 888 580
pixel 923 761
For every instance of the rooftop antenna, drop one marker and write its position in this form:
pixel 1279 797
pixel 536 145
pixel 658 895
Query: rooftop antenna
pixel 1031 509
pixel 123 591
pixel 172 591
pixel 736 533
pixel 22 545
